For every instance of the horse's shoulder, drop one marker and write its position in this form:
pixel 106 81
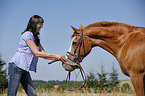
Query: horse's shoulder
pixel 135 39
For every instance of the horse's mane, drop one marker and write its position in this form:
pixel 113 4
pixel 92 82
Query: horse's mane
pixel 108 23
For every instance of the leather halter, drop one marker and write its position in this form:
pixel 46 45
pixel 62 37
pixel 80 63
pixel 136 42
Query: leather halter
pixel 76 55
pixel 77 59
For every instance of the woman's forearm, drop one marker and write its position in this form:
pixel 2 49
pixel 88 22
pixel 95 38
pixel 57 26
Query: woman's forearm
pixel 44 55
pixel 41 53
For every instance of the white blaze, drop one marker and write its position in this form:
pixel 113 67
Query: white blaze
pixel 70 48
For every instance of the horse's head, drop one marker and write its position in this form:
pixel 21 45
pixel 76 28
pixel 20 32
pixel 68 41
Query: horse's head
pixel 80 45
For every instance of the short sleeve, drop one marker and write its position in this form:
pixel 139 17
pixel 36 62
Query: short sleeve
pixel 27 36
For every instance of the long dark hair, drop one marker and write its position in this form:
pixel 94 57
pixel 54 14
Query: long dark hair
pixel 32 25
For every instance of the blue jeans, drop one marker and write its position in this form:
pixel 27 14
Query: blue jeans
pixel 16 75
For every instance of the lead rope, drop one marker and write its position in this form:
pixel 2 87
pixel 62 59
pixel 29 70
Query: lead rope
pixel 68 80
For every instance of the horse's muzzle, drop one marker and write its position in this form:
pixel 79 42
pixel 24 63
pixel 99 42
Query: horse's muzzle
pixel 70 65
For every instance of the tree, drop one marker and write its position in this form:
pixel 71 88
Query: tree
pixel 3 80
pixel 91 80
pixel 103 85
pixel 113 79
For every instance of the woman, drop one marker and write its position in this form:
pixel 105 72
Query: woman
pixel 26 58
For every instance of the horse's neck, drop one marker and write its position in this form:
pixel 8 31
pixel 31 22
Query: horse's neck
pixel 110 39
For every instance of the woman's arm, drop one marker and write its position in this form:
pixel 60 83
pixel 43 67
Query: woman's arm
pixel 42 53
pixel 41 48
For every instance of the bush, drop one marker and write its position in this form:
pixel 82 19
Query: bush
pixel 125 88
pixel 45 86
pixel 61 88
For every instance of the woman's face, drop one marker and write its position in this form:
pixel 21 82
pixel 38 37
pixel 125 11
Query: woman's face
pixel 39 26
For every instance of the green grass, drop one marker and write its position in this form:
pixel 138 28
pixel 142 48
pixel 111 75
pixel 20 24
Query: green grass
pixel 83 92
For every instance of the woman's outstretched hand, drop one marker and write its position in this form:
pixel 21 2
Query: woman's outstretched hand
pixel 58 58
pixel 61 58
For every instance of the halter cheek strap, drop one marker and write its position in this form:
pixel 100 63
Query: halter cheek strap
pixel 78 46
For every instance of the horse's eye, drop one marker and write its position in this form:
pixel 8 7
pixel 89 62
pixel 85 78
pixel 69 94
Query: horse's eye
pixel 74 43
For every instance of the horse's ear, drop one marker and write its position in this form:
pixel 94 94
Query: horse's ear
pixel 81 27
pixel 75 29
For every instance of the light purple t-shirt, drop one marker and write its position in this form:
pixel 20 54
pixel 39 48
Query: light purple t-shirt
pixel 24 58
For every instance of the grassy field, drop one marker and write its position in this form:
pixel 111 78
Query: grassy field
pixel 72 93
pixel 54 92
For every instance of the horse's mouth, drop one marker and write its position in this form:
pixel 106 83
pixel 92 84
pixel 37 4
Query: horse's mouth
pixel 70 65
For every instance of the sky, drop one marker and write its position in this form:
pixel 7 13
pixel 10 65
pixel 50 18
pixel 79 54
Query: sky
pixel 56 33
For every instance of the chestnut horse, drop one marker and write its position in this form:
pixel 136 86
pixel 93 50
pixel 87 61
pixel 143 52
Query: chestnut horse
pixel 124 41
